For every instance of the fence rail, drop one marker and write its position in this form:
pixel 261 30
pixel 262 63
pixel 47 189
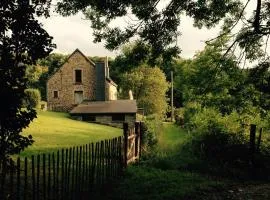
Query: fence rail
pixel 73 173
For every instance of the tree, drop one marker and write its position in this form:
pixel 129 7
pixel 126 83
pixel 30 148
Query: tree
pixel 156 22
pixel 22 42
pixel 53 62
pixel 132 55
pixel 149 88
pixel 32 98
pixel 216 81
pixel 50 64
pixel 33 74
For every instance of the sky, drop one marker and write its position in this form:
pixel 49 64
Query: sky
pixel 74 32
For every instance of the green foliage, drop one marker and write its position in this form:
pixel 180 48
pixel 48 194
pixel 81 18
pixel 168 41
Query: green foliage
pixel 149 18
pixel 224 140
pixel 136 54
pixel 179 116
pixel 53 62
pixel 259 77
pixel 216 81
pixel 151 127
pixel 149 88
pixel 32 98
pixel 49 65
pixel 156 26
pixel 33 73
pixel 218 138
pixel 22 42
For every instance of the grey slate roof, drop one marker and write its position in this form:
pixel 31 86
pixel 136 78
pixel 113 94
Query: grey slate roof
pixel 104 107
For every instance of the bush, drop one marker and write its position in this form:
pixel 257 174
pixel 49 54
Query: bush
pixel 217 137
pixel 219 145
pixel 191 109
pixel 179 116
pixel 32 98
pixel 151 128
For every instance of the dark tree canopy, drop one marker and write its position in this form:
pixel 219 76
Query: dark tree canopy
pixel 156 22
pixel 154 25
pixel 22 41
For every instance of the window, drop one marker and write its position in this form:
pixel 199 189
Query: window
pixel 118 117
pixel 55 94
pixel 78 76
pixel 89 118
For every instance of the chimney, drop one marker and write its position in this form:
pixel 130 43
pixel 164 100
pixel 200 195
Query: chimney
pixel 107 71
pixel 100 81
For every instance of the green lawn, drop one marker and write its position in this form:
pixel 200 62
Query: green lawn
pixel 54 130
pixel 171 137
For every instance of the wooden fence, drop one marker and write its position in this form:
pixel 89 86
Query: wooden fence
pixel 73 173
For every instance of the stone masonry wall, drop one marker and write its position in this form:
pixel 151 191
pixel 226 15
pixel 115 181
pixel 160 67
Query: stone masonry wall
pixel 107 120
pixel 63 81
pixel 110 91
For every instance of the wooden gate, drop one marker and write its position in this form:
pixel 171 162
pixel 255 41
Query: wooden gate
pixel 132 142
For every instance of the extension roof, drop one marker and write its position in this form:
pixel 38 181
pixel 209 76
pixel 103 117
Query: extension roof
pixel 105 107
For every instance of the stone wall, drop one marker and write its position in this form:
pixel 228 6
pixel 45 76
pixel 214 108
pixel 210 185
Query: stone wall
pixel 63 81
pixel 106 119
pixel 111 91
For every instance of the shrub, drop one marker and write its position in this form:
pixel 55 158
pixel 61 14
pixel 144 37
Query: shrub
pixel 151 128
pixel 179 116
pixel 191 109
pixel 32 98
pixel 217 137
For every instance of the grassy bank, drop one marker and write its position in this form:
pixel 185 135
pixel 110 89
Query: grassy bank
pixel 53 130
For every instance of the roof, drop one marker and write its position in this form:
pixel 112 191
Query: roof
pixel 102 107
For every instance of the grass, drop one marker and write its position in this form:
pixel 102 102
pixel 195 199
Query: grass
pixel 54 130
pixel 142 182
pixel 159 177
pixel 170 174
pixel 171 137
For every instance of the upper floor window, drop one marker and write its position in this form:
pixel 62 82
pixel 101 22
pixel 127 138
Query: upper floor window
pixel 55 94
pixel 78 76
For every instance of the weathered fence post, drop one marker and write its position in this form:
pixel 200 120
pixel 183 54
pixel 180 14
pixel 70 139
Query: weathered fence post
pixel 137 139
pixel 252 147
pixel 259 140
pixel 252 138
pixel 125 126
pixel 3 177
pixel 141 138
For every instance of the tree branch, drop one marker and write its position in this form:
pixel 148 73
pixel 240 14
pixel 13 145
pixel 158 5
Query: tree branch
pixel 232 27
pixel 256 23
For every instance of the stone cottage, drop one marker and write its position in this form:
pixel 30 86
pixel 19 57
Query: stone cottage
pixel 85 89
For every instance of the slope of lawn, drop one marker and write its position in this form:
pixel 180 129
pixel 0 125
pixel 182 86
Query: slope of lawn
pixel 54 130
